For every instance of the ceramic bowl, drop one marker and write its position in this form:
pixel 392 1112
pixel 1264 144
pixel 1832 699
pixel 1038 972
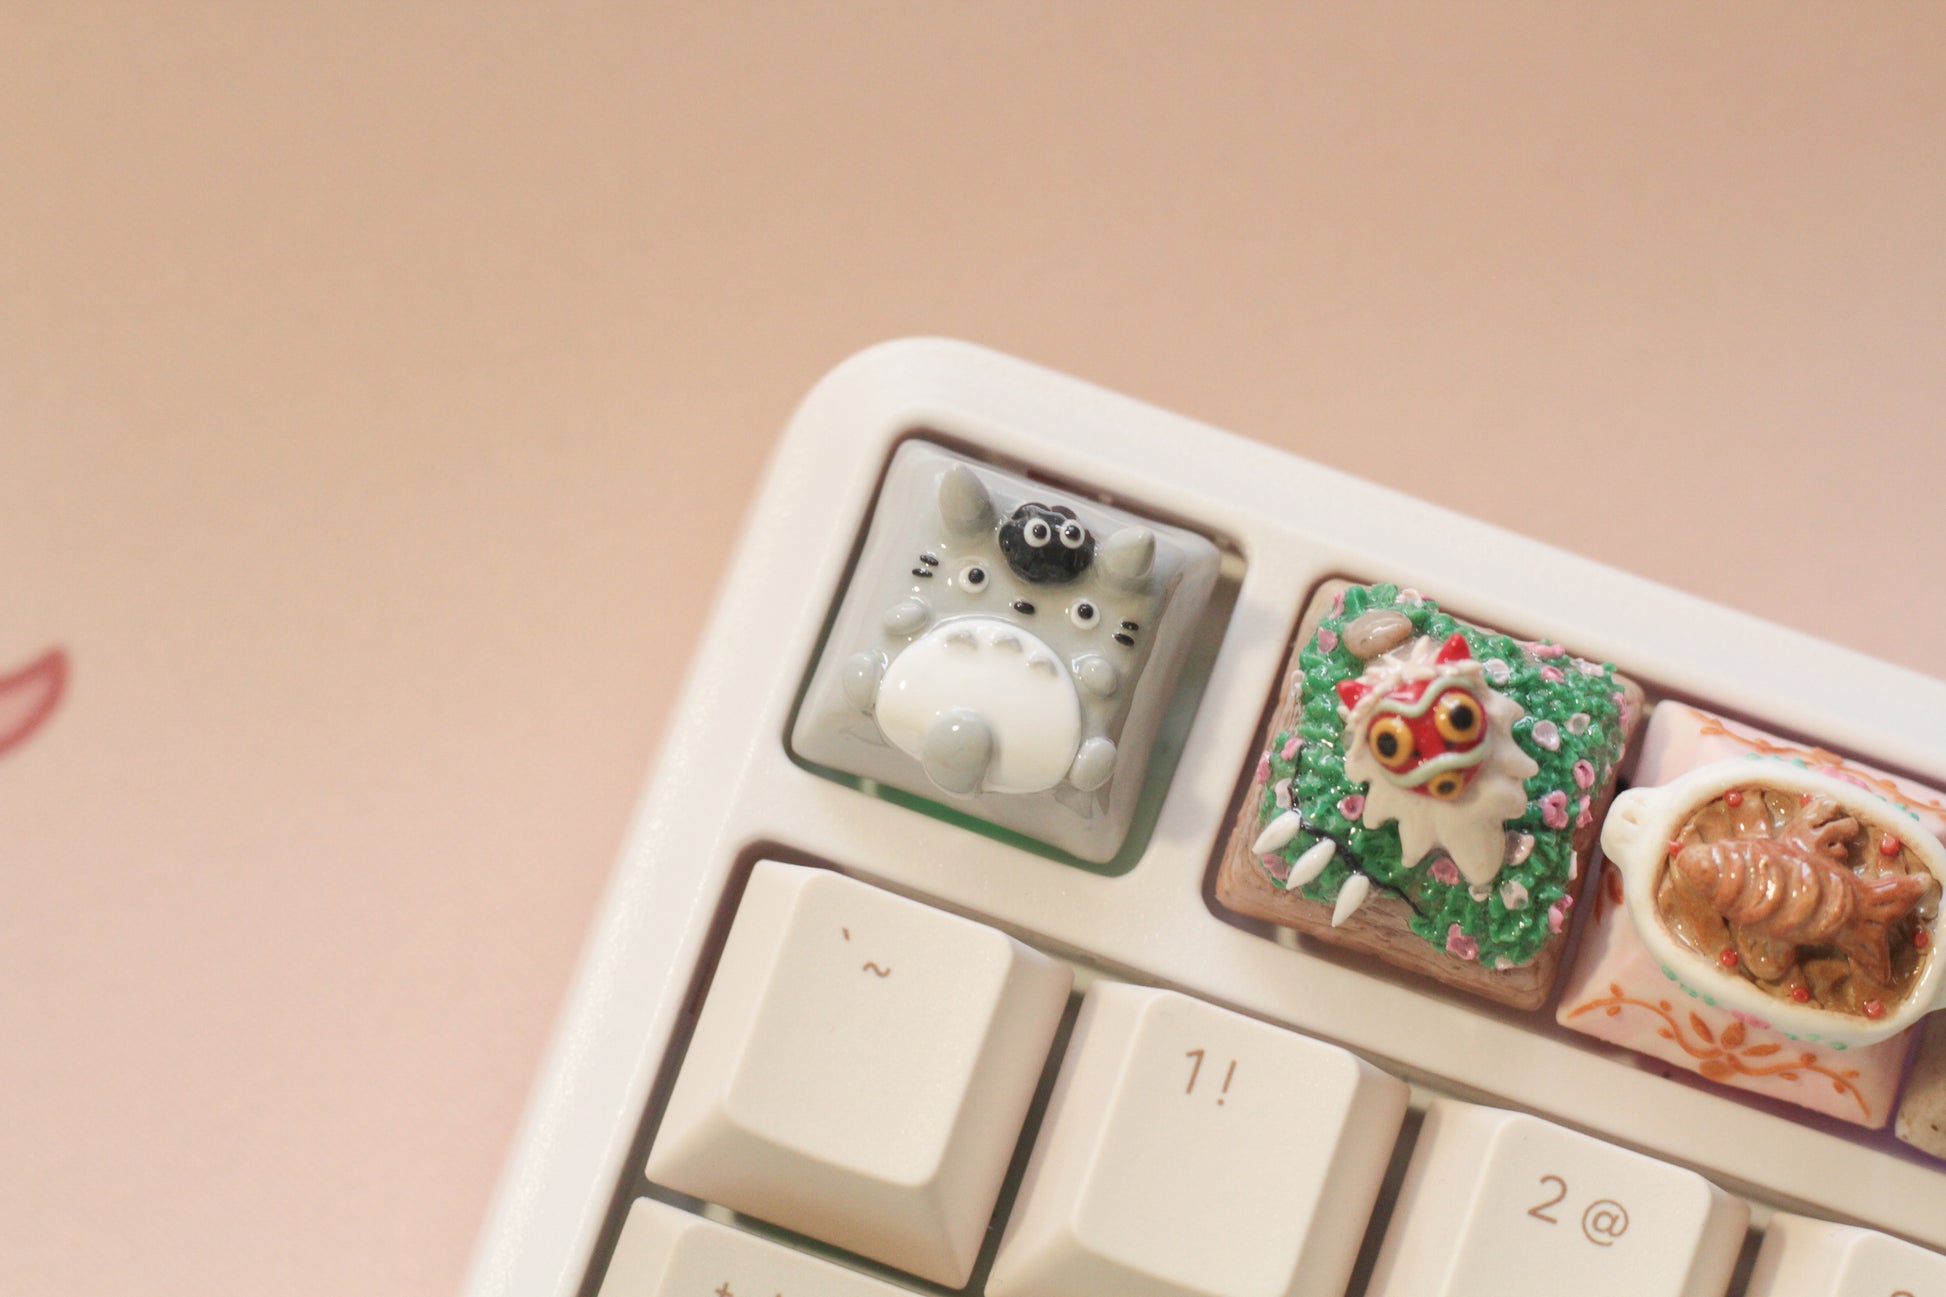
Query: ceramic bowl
pixel 1636 835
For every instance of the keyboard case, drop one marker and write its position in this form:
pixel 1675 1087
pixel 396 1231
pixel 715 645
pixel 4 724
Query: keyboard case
pixel 727 790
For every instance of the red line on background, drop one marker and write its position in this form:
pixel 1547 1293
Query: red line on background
pixel 28 697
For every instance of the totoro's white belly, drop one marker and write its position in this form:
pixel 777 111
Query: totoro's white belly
pixel 1010 677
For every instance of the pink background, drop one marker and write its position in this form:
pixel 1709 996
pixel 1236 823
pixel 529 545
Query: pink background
pixel 380 392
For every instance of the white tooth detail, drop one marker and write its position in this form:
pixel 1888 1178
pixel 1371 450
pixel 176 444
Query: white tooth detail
pixel 1278 833
pixel 1009 642
pixel 1312 863
pixel 1041 663
pixel 960 638
pixel 1350 897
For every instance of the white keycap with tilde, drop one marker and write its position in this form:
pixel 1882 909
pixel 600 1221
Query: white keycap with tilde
pixel 667 1252
pixel 861 1070
pixel 1814 1258
pixel 1189 1151
pixel 1506 1204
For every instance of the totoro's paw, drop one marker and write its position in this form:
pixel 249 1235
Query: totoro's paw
pixel 957 749
pixel 1093 764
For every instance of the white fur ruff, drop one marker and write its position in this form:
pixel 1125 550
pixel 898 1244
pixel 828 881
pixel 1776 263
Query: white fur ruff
pixel 1471 828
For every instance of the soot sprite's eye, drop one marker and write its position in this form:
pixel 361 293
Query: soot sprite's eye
pixel 973 577
pixel 1447 786
pixel 1084 614
pixel 1037 533
pixel 1458 716
pixel 1391 742
pixel 1072 534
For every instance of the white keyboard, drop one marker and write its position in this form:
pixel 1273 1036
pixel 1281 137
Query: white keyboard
pixel 836 1034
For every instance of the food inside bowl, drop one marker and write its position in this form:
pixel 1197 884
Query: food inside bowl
pixel 1803 898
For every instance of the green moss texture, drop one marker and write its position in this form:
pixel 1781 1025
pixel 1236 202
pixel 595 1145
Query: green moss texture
pixel 1580 704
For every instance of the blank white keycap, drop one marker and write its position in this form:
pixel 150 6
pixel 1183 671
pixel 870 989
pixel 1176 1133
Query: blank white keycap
pixel 861 1070
pixel 667 1252
pixel 1189 1150
pixel 1507 1204
pixel 1814 1258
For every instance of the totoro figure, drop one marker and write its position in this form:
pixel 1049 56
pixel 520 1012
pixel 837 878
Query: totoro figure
pixel 1000 643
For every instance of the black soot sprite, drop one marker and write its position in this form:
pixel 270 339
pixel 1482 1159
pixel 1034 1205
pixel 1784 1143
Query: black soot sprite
pixel 1046 546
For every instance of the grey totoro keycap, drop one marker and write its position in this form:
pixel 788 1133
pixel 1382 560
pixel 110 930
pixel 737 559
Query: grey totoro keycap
pixel 1006 648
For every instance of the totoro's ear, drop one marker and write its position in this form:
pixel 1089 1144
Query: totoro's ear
pixel 963 501
pixel 1127 557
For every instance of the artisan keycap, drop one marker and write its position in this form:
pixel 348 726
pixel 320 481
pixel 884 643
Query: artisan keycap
pixel 1190 1151
pixel 1814 1258
pixel 1507 1204
pixel 861 1070
pixel 667 1252
pixel 1008 648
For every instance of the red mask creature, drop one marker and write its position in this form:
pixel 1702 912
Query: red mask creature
pixel 1427 735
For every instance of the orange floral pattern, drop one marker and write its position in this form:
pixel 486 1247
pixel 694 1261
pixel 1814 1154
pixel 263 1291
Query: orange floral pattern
pixel 1712 727
pixel 1729 1054
pixel 1608 890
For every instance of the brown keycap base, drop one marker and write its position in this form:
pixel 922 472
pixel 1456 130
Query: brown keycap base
pixel 1380 928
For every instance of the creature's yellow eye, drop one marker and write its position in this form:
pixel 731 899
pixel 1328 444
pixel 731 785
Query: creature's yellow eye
pixel 1391 742
pixel 1445 787
pixel 1458 716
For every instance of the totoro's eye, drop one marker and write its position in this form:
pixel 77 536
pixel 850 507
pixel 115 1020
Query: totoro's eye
pixel 1457 716
pixel 1391 742
pixel 1037 533
pixel 1072 534
pixel 973 577
pixel 1084 614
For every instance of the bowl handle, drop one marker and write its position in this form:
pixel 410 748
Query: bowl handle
pixel 1622 828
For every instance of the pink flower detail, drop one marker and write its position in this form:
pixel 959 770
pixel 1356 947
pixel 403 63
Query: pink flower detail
pixel 1554 810
pixel 1445 871
pixel 1548 735
pixel 1553 674
pixel 1750 1020
pixel 1263 768
pixel 1276 866
pixel 1338 604
pixel 1557 914
pixel 1328 640
pixel 1461 946
pixel 1583 815
pixel 1352 807
pixel 1546 650
pixel 1291 746
pixel 1584 774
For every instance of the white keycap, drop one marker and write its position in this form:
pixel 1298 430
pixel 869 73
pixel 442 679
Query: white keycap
pixel 1814 1258
pixel 1507 1204
pixel 861 1070
pixel 667 1252
pixel 1190 1150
